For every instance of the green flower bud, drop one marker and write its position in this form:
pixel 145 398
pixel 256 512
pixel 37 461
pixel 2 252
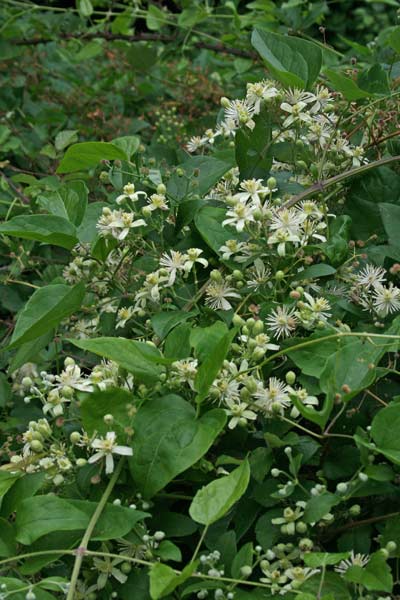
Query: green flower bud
pixel 342 487
pixel 75 437
pixel 301 527
pixel 258 327
pixel 246 571
pixel 290 377
pixel 237 321
pixel 108 419
pixel 161 189
pixel 391 546
pixel 215 275
pixel 355 510
pixel 224 102
pixel 271 182
pixel 279 275
pixel 126 568
pixel 36 446
pixel 81 462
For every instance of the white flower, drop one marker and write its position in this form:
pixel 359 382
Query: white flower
pixel 370 276
pixel 231 247
pixel 319 307
pixel 239 413
pixel 282 321
pixel 71 376
pixel 174 262
pixel 260 275
pixel 287 219
pixel 241 112
pixel 386 300
pixel 130 194
pixel 358 560
pixel 296 113
pixel 253 190
pixel 239 216
pixel 282 237
pixel 274 398
pixel 217 293
pixel 117 223
pixel 260 91
pixel 156 202
pixel 194 143
pixel 192 257
pixel 106 448
pixel 124 314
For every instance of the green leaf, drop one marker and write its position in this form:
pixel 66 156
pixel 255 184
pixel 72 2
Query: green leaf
pixel 211 365
pixel 25 487
pixel 374 79
pixel 85 8
pixel 45 309
pixel 375 576
pixel 209 171
pixel 139 358
pixel 168 551
pixel 390 214
pixel 243 558
pixel 383 432
pixel 40 515
pixel 129 144
pixel 214 500
pixel 318 506
pixel 208 221
pixel 8 546
pixel 114 401
pixel 346 86
pixel 7 480
pixel 42 228
pixel 155 18
pixel 169 439
pixel 65 138
pixel 88 154
pixel 323 559
pixel 164 580
pixel 293 61
pixel 164 322
pixel 394 39
pixel 363 200
pixel 316 271
pixel 252 148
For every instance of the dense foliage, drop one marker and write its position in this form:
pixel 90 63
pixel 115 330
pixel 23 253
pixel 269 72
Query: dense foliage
pixel 199 301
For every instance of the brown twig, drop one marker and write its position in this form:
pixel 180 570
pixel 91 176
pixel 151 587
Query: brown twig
pixel 20 195
pixel 139 37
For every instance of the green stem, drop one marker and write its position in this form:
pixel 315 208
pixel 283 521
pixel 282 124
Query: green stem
pixel 201 540
pixel 82 550
pixel 322 185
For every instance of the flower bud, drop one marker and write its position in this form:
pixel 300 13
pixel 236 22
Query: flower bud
pixel 237 321
pixel 271 182
pixel 108 419
pixel 81 462
pixel 290 377
pixel 161 189
pixel 36 446
pixel 75 437
pixel 225 102
pixel 246 571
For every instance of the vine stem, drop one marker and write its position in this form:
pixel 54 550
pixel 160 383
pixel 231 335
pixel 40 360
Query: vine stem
pixel 134 560
pixel 321 185
pixel 201 540
pixel 332 336
pixel 81 551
